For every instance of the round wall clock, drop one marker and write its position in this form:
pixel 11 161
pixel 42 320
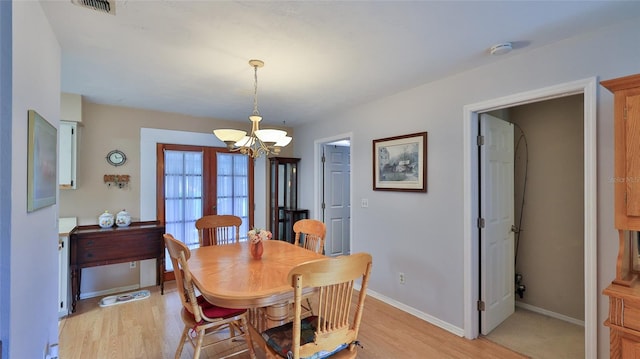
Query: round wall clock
pixel 116 158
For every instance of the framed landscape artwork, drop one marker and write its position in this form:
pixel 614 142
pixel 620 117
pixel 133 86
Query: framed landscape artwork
pixel 400 163
pixel 41 162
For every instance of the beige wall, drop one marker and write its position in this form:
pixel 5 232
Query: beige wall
pixel 103 129
pixel 551 251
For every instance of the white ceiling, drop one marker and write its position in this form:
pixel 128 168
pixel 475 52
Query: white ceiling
pixel 191 57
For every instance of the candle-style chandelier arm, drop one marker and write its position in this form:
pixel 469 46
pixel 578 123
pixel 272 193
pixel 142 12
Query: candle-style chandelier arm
pixel 259 142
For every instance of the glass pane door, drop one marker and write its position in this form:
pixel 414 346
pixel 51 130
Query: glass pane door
pixel 183 188
pixel 233 188
pixel 200 181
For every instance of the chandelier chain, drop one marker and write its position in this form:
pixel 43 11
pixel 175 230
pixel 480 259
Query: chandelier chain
pixel 255 91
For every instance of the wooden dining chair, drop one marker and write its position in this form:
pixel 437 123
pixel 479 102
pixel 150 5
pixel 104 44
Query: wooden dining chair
pixel 200 317
pixel 334 331
pixel 218 229
pixel 310 234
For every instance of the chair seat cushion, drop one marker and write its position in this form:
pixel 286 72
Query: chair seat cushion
pixel 213 311
pixel 280 339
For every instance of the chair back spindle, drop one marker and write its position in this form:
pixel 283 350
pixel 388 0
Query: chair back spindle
pixel 310 234
pixel 218 229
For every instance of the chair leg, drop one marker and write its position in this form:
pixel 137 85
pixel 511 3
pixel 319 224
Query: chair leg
pixel 198 347
pixel 183 338
pixel 232 330
pixel 310 308
pixel 247 336
pixel 307 310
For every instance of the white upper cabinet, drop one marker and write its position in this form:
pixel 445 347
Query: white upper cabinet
pixel 71 113
pixel 67 154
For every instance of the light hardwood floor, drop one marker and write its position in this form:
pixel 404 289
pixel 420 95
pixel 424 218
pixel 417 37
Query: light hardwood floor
pixel 150 328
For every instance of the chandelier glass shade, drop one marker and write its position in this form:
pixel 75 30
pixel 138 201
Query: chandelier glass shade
pixel 258 142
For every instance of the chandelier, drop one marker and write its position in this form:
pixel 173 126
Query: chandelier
pixel 259 142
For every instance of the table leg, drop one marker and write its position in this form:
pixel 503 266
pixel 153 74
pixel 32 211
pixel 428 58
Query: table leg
pixel 75 288
pixel 277 314
pixel 160 272
pixel 79 280
pixel 255 319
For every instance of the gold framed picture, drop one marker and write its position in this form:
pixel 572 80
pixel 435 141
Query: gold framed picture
pixel 41 162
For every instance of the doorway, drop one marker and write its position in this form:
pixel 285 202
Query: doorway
pixel 586 88
pixel 333 186
pixel 546 230
pixel 496 220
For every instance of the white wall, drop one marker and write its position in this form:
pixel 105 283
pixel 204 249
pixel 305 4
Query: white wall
pixel 422 234
pixel 5 169
pixel 33 259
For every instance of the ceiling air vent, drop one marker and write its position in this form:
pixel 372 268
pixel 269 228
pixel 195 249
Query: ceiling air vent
pixel 108 6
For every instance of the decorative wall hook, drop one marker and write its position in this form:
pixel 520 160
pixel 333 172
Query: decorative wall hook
pixel 117 180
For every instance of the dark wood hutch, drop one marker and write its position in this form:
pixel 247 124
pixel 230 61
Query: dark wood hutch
pixel 283 197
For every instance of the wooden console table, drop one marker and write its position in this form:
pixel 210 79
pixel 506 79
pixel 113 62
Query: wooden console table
pixel 93 246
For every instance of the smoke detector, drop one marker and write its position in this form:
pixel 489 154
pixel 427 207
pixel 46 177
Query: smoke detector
pixel 106 6
pixel 500 49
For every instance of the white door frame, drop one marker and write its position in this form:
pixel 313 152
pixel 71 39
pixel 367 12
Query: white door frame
pixel 587 87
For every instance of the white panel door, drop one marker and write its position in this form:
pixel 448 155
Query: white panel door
pixel 337 171
pixel 496 208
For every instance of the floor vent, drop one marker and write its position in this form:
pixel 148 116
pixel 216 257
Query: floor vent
pixel 108 6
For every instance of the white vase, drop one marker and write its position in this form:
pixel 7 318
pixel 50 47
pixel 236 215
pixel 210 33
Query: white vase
pixel 105 220
pixel 123 218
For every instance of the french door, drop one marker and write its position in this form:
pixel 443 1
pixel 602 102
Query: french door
pixel 194 181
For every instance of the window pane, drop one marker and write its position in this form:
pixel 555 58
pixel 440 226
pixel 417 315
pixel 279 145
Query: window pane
pixel 225 164
pixel 225 206
pixel 241 186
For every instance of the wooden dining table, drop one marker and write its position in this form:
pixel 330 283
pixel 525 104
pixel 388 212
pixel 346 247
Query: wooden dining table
pixel 227 276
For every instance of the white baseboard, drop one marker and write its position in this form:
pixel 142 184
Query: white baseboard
pixel 416 313
pixel 109 291
pixel 549 313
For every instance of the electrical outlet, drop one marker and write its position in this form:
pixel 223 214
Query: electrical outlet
pixel 132 264
pixel 401 278
pixel 52 351
pixel 364 203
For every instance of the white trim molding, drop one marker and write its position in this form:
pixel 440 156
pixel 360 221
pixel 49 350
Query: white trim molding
pixel 549 313
pixel 416 313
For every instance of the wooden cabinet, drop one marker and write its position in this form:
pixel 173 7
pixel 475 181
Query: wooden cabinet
pixel 630 345
pixel 94 246
pixel 67 154
pixel 626 178
pixel 65 226
pixel 624 321
pixel 283 197
pixel 291 216
pixel 624 291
